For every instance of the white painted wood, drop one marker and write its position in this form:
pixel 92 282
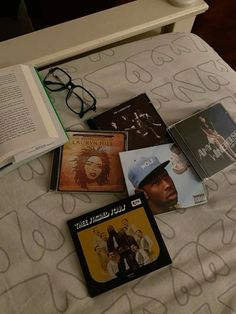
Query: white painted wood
pixel 182 3
pixel 184 25
pixel 84 34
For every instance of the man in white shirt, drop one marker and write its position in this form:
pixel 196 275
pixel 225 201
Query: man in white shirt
pixel 140 255
pixel 144 242
pixel 113 265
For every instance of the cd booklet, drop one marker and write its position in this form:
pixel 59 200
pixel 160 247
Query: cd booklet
pixel 208 139
pixel 139 118
pixel 165 175
pixel 118 243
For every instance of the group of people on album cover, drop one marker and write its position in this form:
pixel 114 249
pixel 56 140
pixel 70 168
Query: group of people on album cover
pixel 122 252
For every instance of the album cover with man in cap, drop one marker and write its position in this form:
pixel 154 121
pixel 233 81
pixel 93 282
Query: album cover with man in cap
pixel 164 175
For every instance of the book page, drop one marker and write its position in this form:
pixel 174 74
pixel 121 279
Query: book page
pixel 21 125
pixel 35 86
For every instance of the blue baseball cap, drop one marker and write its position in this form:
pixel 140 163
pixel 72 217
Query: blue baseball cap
pixel 143 167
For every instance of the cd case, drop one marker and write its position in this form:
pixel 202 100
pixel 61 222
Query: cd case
pixel 166 177
pixel 89 162
pixel 138 117
pixel 208 139
pixel 118 243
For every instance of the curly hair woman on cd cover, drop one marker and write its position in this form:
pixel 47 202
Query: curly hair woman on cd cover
pixel 92 166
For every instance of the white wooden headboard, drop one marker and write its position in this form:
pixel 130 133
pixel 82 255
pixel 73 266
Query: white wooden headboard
pixel 97 30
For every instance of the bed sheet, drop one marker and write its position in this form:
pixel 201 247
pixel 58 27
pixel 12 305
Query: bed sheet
pixel 39 269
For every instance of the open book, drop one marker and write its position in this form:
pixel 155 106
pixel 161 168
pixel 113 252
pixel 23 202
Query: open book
pixel 29 124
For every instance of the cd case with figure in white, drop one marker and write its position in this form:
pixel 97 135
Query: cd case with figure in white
pixel 208 139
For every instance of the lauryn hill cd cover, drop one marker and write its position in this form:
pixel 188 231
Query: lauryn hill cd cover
pixel 90 162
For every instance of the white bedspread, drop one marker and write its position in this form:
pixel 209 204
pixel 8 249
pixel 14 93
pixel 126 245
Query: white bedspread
pixel 39 269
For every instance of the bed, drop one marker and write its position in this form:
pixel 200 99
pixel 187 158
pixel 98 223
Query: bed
pixel 40 271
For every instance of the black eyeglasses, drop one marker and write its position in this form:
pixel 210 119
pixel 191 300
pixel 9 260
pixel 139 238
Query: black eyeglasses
pixel 78 99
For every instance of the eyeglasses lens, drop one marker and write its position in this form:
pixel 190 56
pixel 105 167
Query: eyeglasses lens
pixel 56 79
pixel 77 97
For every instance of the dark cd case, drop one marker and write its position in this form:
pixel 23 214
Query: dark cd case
pixel 118 243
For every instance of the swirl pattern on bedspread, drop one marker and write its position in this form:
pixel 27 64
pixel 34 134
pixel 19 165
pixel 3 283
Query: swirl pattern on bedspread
pixel 39 269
